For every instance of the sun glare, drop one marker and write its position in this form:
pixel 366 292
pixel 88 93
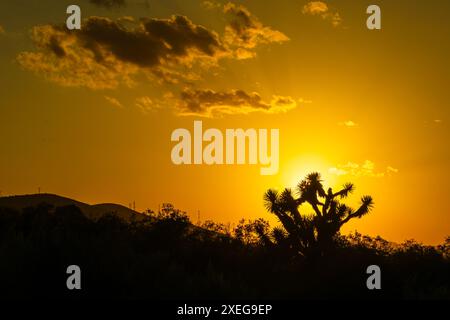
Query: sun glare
pixel 298 168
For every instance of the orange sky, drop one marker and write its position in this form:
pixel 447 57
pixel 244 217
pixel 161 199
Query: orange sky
pixel 89 115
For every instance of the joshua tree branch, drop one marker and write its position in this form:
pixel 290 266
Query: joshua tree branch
pixel 316 209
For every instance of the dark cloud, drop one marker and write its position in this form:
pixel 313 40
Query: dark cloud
pixel 200 100
pixel 121 47
pixel 210 103
pixel 103 36
pixel 151 42
pixel 180 34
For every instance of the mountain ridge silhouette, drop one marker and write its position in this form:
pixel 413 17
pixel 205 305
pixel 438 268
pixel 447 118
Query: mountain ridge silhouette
pixel 94 212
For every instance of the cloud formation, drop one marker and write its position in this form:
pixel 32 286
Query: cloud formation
pixel 113 101
pixel 211 103
pixel 349 124
pixel 366 169
pixel 2 30
pixel 211 5
pixel 244 31
pixel 107 52
pixel 321 9
pixel 315 7
pixel 146 104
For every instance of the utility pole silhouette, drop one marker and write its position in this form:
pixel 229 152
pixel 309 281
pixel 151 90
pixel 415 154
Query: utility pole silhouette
pixel 198 217
pixel 39 190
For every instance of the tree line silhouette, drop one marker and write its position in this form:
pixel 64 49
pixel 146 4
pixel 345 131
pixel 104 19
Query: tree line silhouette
pixel 165 256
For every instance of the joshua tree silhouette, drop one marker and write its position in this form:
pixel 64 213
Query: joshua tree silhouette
pixel 310 235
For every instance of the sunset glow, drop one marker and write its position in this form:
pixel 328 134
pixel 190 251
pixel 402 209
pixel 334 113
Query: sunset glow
pixel 90 116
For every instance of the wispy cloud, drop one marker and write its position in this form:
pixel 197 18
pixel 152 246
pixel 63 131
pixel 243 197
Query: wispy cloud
pixel 113 101
pixel 366 169
pixel 147 105
pixel 211 4
pixel 245 32
pixel 321 9
pixel 210 103
pixel 390 169
pixel 315 7
pixel 349 124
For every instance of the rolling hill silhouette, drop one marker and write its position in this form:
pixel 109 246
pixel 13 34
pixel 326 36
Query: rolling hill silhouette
pixel 93 212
